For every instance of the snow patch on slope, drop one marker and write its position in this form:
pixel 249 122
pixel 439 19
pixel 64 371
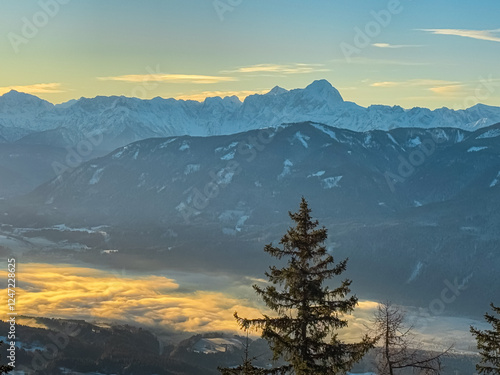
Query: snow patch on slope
pixel 414 142
pixel 495 181
pixel 326 130
pixel 331 182
pixel 392 139
pixel 368 139
pixel 165 144
pixel 216 345
pixel 229 156
pixel 493 133
pixel 317 174
pixel 476 149
pixel 191 168
pixel 241 222
pixel 119 153
pixel 416 271
pixel 227 148
pixel 302 139
pixel 225 177
pixel 286 169
pixel 96 177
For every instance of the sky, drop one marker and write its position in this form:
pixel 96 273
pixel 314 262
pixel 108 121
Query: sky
pixel 429 53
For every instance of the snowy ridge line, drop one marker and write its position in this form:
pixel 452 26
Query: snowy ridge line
pixel 123 120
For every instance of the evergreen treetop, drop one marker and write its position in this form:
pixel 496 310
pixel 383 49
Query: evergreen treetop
pixel 308 313
pixel 488 343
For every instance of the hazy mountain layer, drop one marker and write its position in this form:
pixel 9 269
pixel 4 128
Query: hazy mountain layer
pixel 415 210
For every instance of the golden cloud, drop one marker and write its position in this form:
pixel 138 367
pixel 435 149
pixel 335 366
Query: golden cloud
pixel 367 305
pixel 38 88
pixel 71 292
pixel 446 90
pixel 173 78
pixel 85 293
pixel 385 84
pixel 417 83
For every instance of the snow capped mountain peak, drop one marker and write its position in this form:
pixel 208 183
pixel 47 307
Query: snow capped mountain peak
pixel 12 93
pixel 322 90
pixel 14 102
pixel 14 96
pixel 228 103
pixel 212 100
pixel 226 100
pixel 232 99
pixel 101 103
pixel 276 90
pixel 319 84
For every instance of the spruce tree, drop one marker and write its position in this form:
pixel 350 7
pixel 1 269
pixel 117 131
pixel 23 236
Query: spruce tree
pixel 488 343
pixel 308 313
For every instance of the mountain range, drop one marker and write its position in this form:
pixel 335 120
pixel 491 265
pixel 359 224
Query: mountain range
pixel 412 208
pixel 118 121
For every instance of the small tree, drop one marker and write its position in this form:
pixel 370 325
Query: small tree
pixel 246 368
pixel 399 349
pixel 309 314
pixel 488 343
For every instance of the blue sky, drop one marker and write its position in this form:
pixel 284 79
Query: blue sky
pixel 419 53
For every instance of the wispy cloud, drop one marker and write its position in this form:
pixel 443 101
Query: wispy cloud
pixel 281 69
pixel 414 82
pixel 490 35
pixel 440 87
pixel 38 88
pixel 446 90
pixel 209 94
pixel 387 45
pixel 172 78
pixel 369 61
